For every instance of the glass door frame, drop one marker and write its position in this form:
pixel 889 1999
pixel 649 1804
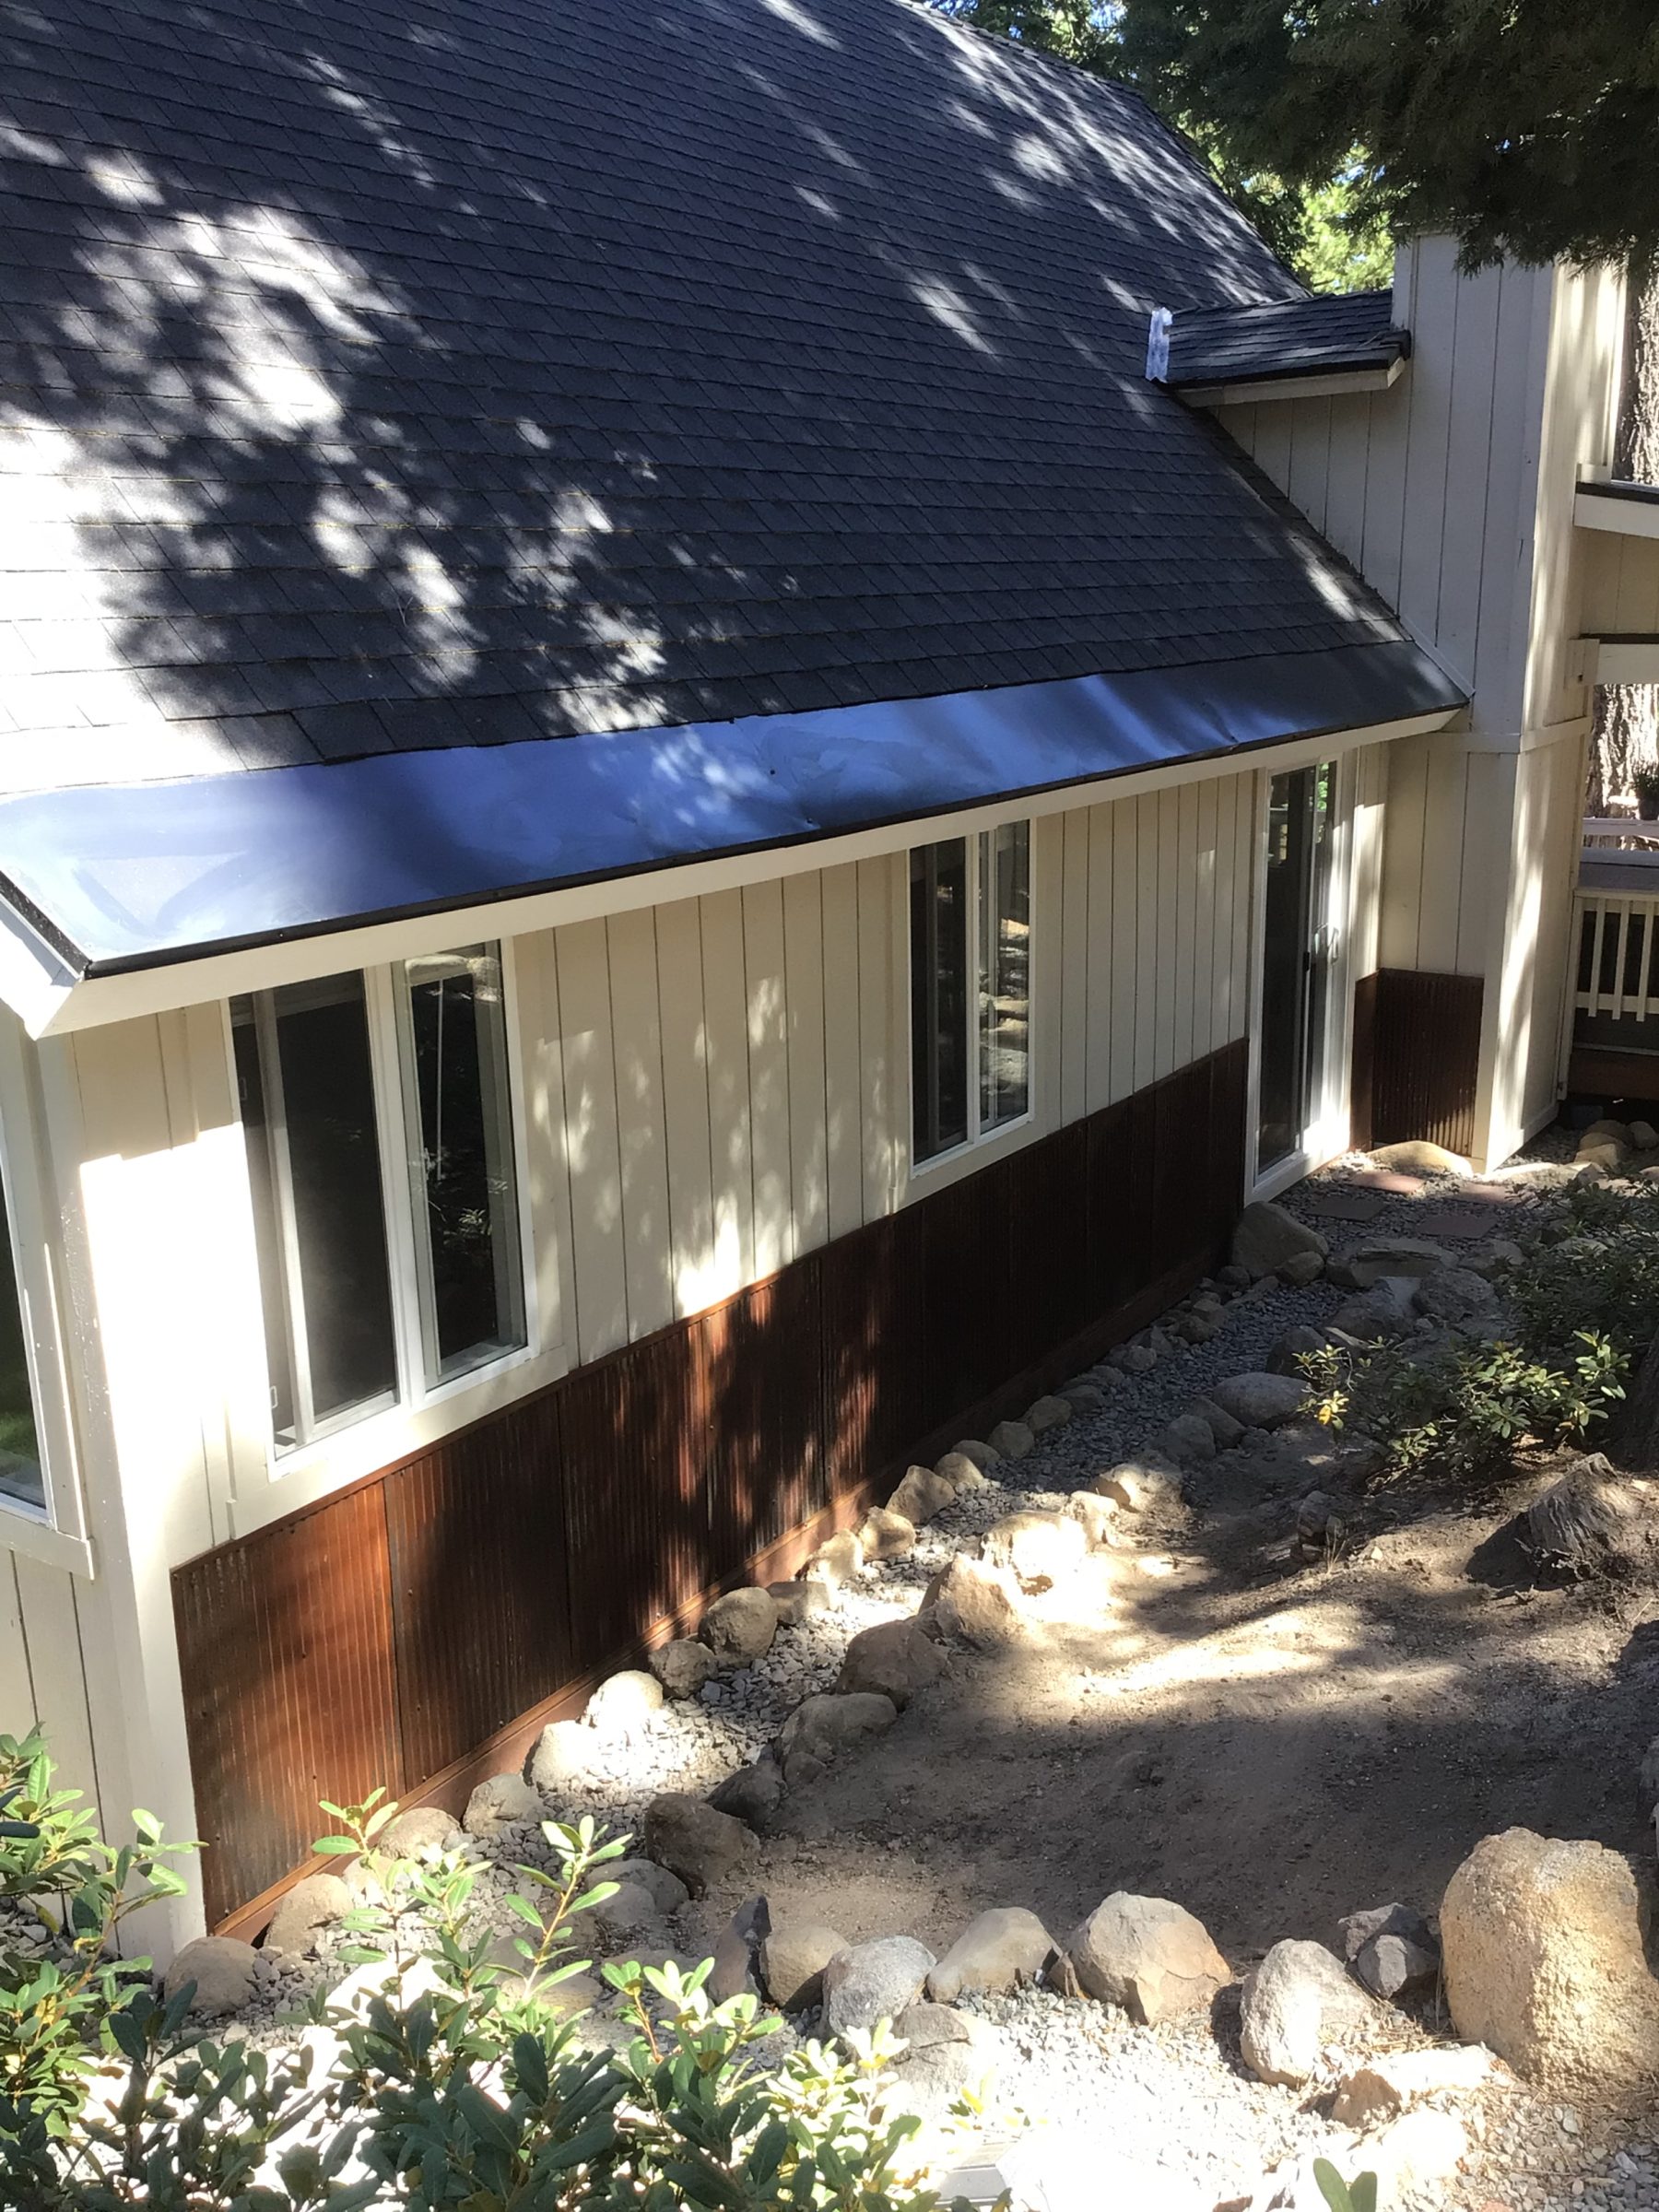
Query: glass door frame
pixel 1326 1132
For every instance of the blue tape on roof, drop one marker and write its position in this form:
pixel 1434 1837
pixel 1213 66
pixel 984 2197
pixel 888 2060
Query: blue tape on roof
pixel 125 876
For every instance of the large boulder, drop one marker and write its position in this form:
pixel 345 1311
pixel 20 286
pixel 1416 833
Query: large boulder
pixel 1455 1295
pixel 1261 1400
pixel 1387 1309
pixel 922 1493
pixel 315 1903
pixel 223 1969
pixel 703 1846
pixel 1586 1518
pixel 793 1959
pixel 1393 1950
pixel 739 1628
pixel 871 1981
pixel 1148 1955
pixel 683 1666
pixel 624 1704
pixel 504 1801
pixel 1293 2003
pixel 1266 1236
pixel 885 1535
pixel 821 1728
pixel 1545 1962
pixel 894 1659
pixel 969 1602
pixel 997 1951
pixel 1040 1547
pixel 734 1969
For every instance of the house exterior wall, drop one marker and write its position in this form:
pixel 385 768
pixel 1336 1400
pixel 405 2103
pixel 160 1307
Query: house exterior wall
pixel 710 1091
pixel 1451 492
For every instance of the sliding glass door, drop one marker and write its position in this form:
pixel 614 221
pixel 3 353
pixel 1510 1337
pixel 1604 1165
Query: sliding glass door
pixel 1299 1080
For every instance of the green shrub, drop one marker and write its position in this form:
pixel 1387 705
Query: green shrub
pixel 473 2094
pixel 1467 1409
pixel 1592 1267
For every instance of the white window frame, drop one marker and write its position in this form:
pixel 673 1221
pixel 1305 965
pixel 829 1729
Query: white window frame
pixel 56 1530
pixel 978 1137
pixel 363 1438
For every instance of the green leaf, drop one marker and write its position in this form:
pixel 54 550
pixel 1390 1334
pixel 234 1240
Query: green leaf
pixel 336 1847
pixel 1332 2187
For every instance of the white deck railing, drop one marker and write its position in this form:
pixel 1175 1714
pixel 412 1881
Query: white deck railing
pixel 1617 934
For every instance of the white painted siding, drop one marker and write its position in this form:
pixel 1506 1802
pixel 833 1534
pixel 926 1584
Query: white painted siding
pixel 42 1675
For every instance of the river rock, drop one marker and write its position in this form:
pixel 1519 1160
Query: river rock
pixel 798 1601
pixel 922 1493
pixel 504 1801
pixel 753 1793
pixel 704 1847
pixel 1222 1426
pixel 997 1951
pixel 1410 1258
pixel 739 1628
pixel 839 1559
pixel 894 1659
pixel 1455 1295
pixel 562 1753
pixel 963 1475
pixel 1301 1268
pixel 1387 1309
pixel 1266 1236
pixel 683 1666
pixel 871 1981
pixel 793 1959
pixel 1040 1547
pixel 1097 1516
pixel 315 1903
pixel 1387 2083
pixel 1545 1959
pixel 1147 1484
pixel 1292 2004
pixel 1261 1400
pixel 666 1892
pixel 420 1831
pixel 1085 1397
pixel 969 1602
pixel 1188 1439
pixel 1012 1440
pixel 1417 1156
pixel 945 2053
pixel 982 1455
pixel 1294 1346
pixel 1415 2156
pixel 1046 1413
pixel 1148 1955
pixel 222 1968
pixel 821 1728
pixel 734 1971
pixel 624 1705
pixel 885 1535
pixel 1393 1950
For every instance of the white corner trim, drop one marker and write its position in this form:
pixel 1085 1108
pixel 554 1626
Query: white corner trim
pixel 1596 507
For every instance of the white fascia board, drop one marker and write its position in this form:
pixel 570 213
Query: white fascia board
pixel 1595 507
pixel 1259 391
pixel 146 991
pixel 1628 660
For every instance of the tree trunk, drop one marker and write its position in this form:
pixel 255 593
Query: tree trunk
pixel 1632 1439
pixel 1627 715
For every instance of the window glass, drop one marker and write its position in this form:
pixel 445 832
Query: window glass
pixel 939 1064
pixel 1004 965
pixel 20 1475
pixel 465 1199
pixel 307 1087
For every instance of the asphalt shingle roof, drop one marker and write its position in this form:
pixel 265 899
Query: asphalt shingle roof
pixel 379 375
pixel 1284 337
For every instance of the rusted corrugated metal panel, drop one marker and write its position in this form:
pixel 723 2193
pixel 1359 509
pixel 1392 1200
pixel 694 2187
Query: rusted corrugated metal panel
pixel 1425 1057
pixel 872 1353
pixel 476 1550
pixel 285 1649
pixel 636 1462
pixel 763 1383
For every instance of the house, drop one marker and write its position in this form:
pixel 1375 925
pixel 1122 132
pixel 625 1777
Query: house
pixel 715 720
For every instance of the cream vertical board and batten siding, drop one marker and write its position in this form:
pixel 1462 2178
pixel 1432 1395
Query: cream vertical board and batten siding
pixel 1452 493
